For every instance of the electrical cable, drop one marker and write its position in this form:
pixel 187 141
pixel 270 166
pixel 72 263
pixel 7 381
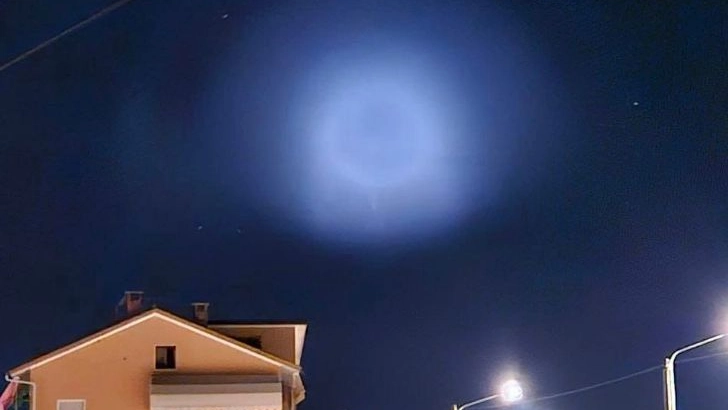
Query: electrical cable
pixel 611 381
pixel 585 388
pixel 106 10
pixel 707 356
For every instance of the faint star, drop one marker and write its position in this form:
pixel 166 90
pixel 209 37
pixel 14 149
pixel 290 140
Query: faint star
pixel 635 103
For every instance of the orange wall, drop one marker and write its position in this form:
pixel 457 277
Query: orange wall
pixel 114 373
pixel 278 341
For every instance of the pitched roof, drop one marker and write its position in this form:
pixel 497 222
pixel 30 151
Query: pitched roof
pixel 258 322
pixel 142 317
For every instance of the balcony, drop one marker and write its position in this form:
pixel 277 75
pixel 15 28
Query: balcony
pixel 215 392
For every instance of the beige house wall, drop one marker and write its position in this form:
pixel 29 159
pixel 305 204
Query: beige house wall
pixel 278 341
pixel 115 373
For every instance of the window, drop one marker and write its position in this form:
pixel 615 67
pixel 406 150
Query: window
pixel 71 405
pixel 165 357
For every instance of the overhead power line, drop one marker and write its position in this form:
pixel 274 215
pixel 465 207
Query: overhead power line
pixel 615 380
pixel 611 381
pixel 707 356
pixel 106 10
pixel 587 388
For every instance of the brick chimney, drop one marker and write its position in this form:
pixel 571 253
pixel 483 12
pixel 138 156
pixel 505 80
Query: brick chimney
pixel 201 313
pixel 131 303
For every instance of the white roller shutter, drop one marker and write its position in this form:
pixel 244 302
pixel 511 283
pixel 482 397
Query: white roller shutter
pixel 255 396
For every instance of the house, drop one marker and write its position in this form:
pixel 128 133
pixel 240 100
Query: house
pixel 153 359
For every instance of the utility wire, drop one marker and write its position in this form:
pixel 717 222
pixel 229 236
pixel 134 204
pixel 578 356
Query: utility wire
pixel 707 356
pixel 593 386
pixel 106 10
pixel 611 381
pixel 585 388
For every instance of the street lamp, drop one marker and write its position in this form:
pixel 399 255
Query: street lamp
pixel 669 373
pixel 510 392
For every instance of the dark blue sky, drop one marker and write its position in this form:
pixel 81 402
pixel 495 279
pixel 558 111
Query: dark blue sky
pixel 591 235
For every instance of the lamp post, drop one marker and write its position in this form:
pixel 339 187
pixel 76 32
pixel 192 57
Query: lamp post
pixel 510 391
pixel 669 370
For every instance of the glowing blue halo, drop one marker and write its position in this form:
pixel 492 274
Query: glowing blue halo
pixel 375 133
pixel 381 150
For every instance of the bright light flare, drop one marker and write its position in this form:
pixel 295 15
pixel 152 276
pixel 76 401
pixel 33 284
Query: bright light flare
pixel 379 133
pixel 511 391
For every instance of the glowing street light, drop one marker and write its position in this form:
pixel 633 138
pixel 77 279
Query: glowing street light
pixel 669 373
pixel 511 391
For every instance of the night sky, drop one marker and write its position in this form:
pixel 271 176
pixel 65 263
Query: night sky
pixel 534 188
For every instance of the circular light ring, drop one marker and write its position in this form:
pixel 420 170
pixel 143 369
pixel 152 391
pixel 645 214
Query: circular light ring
pixel 375 132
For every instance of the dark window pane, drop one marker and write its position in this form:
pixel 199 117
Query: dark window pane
pixel 165 357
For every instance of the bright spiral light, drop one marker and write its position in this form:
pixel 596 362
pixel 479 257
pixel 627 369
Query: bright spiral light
pixel 381 149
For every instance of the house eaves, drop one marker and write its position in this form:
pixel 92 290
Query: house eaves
pixel 143 317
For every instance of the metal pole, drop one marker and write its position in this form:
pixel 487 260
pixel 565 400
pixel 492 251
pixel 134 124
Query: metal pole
pixel 473 403
pixel 669 373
